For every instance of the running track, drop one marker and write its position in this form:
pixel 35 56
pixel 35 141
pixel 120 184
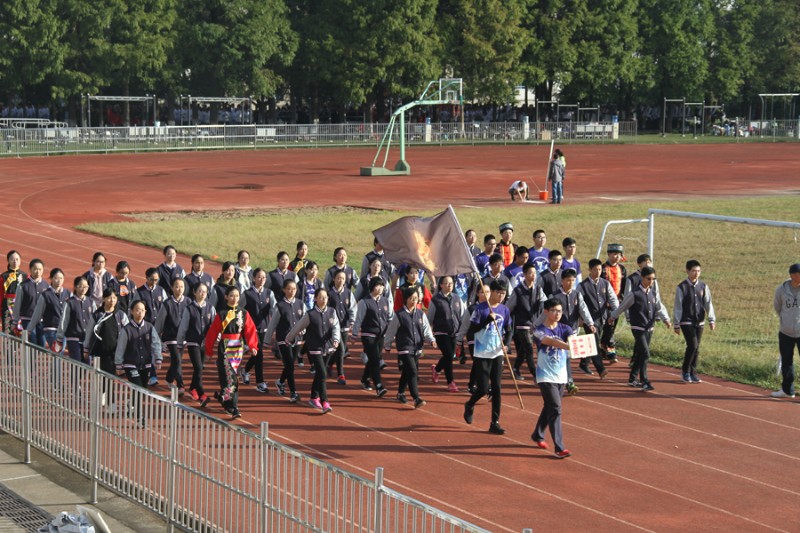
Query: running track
pixel 716 456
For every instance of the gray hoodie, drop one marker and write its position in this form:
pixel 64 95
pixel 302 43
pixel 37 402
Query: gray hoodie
pixel 787 306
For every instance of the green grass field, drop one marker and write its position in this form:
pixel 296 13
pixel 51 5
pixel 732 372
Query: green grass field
pixel 741 263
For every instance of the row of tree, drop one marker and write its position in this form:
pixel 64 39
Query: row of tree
pixel 337 54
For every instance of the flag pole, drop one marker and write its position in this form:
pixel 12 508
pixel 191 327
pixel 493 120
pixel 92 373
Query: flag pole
pixel 496 327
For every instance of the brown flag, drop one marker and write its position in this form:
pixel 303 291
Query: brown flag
pixel 435 244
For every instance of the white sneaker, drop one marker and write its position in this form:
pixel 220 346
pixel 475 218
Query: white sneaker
pixel 780 394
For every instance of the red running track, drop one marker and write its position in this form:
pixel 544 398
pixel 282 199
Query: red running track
pixel 716 455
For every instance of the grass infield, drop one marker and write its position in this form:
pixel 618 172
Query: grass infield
pixel 742 264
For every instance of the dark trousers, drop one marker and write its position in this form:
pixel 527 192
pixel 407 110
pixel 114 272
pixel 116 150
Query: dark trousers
pixel 288 357
pixel 786 345
pixel 597 360
pixel 550 417
pixel 692 335
pixel 175 372
pixel 256 361
pixel 607 338
pixel 337 356
pixel 488 372
pixel 196 358
pixel 75 350
pixel 447 345
pixel 319 388
pixel 37 335
pixel 373 346
pixel 524 345
pixel 641 354
pixel 409 373
pixel 137 376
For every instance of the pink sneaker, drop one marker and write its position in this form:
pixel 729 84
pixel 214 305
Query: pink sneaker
pixel 452 387
pixel 326 407
pixel 434 374
pixel 315 403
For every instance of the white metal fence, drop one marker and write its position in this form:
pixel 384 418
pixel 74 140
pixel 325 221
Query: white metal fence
pixel 38 139
pixel 195 471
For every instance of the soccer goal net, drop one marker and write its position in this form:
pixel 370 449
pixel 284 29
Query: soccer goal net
pixel 743 261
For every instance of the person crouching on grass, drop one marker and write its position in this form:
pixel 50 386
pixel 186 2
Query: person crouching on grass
pixel 411 329
pixel 237 330
pixel 322 337
pixel 138 349
pixel 645 308
pixel 551 374
pixel 491 325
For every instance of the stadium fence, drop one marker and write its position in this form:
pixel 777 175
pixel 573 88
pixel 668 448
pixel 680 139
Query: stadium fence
pixel 193 470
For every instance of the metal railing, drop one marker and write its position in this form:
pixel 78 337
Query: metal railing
pixel 195 471
pixel 72 140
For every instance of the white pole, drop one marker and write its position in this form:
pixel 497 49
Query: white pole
pixel 549 162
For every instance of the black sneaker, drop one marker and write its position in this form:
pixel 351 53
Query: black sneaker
pixel 280 386
pixel 495 429
pixel 419 402
pixel 518 375
pixel 365 385
pixel 585 369
pixel 381 392
pixel 634 383
pixel 235 413
pixel 646 387
pixel 468 411
pixel 294 398
pixel 401 398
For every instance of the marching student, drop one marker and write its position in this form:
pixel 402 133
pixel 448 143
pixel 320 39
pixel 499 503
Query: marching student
pixel 387 269
pixel 226 279
pixel 514 271
pixel 525 306
pixel 167 324
pixel 539 255
pixel 645 308
pixel 236 330
pixel 152 293
pixel 138 348
pixel 298 264
pixel 550 279
pixel 340 265
pixel 278 277
pixel 787 306
pixel 410 328
pixel 413 282
pixel 445 314
pixel 372 320
pixel 342 300
pixel 505 247
pixel 482 295
pixel 495 272
pixel 491 326
pixel 75 320
pixel 309 284
pixel 322 337
pixel 50 309
pixel 615 273
pixel 470 236
pixel 9 281
pixel 692 306
pixel 574 310
pixel 244 272
pixel 570 245
pixel 482 259
pixel 634 279
pixel 98 278
pixel 259 303
pixel 198 275
pixel 195 322
pixel 288 310
pixel 600 299
pixel 375 270
pixel 124 287
pixel 25 300
pixel 551 375
pixel 101 339
pixel 169 270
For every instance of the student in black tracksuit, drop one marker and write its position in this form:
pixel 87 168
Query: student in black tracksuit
pixel 692 307
pixel 550 278
pixel 169 270
pixel 102 334
pixel 226 280
pixel 321 326
pixel 195 322
pixel 340 265
pixel 50 309
pixel 198 275
pixel 372 320
pixel 599 298
pixel 288 310
pixel 343 301
pixel 409 329
pixel 98 278
pixel 445 314
pixel 138 348
pixel 260 303
pixel 645 308
pixel 152 293
pixel 375 269
pixel 387 269
pixel 167 324
pixel 25 300
pixel 124 287
pixel 277 277
pixel 525 306
pixel 75 320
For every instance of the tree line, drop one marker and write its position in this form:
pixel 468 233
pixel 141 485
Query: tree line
pixel 363 54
